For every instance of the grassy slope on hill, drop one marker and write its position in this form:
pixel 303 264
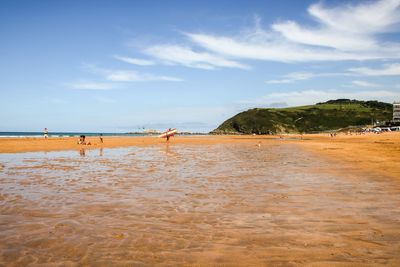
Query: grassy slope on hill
pixel 330 115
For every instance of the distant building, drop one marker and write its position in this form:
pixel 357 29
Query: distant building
pixel 396 112
pixel 151 131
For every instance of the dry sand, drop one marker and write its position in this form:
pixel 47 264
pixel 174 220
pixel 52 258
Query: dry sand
pixel 201 201
pixel 375 153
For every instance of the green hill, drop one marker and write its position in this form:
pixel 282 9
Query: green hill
pixel 330 115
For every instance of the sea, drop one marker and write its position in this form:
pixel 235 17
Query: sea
pixel 61 134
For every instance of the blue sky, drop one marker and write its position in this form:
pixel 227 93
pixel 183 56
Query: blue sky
pixel 118 66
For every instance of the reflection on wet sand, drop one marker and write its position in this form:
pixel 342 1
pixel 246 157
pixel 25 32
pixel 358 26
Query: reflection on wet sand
pixel 169 152
pixel 227 204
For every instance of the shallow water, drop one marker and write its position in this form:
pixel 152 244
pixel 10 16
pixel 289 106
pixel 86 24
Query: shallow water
pixel 231 204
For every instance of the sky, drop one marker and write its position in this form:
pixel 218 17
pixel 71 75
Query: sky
pixel 121 66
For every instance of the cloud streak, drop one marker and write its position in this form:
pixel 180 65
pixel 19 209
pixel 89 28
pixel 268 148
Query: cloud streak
pixel 133 76
pixel 365 84
pixel 387 70
pixel 87 85
pixel 186 56
pixel 302 76
pixel 135 61
pixel 294 76
pixel 259 46
pixel 118 75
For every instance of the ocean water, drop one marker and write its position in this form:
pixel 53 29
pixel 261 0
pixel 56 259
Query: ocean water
pixel 62 134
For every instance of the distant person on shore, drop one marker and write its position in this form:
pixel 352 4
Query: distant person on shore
pixel 101 138
pixel 82 140
pixel 46 133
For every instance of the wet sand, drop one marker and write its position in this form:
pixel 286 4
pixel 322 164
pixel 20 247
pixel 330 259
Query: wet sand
pixel 14 145
pixel 375 153
pixel 220 202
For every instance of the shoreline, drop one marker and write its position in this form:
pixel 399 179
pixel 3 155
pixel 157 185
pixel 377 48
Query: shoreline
pixel 20 144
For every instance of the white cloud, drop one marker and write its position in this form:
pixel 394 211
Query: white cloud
pixel 135 61
pixel 345 32
pixel 387 70
pixel 347 27
pixel 128 75
pixel 182 55
pixel 301 76
pixel 85 85
pixel 348 31
pixel 133 76
pixel 365 84
pixel 323 37
pixel 294 76
pixel 280 81
pixel 366 18
pixel 259 46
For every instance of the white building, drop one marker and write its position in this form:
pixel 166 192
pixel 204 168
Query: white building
pixel 396 111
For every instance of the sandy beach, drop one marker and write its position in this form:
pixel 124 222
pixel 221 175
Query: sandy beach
pixel 168 133
pixel 201 200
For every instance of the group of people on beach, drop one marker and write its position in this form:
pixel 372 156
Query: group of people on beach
pixel 82 140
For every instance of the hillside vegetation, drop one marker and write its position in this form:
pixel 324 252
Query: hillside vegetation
pixel 330 115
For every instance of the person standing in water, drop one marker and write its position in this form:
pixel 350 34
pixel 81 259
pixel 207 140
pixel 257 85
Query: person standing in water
pixel 101 138
pixel 168 136
pixel 45 133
